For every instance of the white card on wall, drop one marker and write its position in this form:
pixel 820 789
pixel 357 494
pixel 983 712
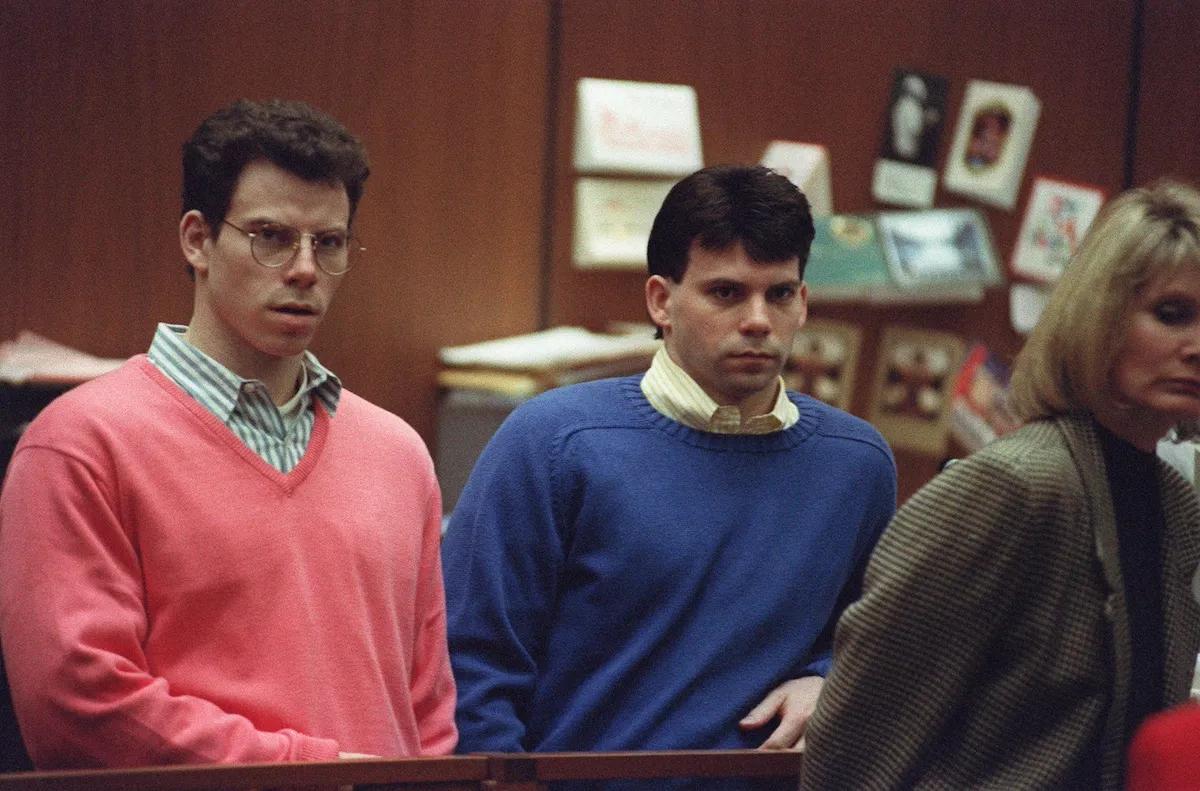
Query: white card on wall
pixel 807 166
pixel 636 127
pixel 613 219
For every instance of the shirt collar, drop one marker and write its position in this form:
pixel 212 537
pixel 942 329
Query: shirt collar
pixel 674 393
pixel 218 388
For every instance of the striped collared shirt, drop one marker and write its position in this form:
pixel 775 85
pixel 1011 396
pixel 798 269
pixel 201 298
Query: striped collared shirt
pixel 674 393
pixel 245 405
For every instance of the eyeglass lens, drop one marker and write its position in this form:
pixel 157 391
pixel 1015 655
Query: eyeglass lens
pixel 277 245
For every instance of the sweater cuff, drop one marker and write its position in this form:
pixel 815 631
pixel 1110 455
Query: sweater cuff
pixel 310 748
pixel 820 667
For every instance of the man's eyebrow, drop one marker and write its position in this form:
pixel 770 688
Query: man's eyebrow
pixel 261 220
pixel 264 221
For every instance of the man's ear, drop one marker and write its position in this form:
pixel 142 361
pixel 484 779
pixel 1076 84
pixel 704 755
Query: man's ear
pixel 194 237
pixel 658 295
pixel 803 296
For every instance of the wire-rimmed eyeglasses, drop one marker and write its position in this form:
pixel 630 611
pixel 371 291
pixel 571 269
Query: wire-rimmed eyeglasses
pixel 277 245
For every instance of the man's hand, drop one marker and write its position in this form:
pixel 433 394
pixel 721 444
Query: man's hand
pixel 793 702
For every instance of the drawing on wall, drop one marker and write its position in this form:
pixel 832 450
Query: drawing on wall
pixel 991 142
pixel 1057 217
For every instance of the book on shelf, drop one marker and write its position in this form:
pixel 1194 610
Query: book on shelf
pixel 846 261
pixel 979 403
pixel 849 262
pixel 939 251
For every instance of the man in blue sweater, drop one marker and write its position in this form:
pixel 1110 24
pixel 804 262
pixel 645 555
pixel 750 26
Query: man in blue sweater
pixel 658 562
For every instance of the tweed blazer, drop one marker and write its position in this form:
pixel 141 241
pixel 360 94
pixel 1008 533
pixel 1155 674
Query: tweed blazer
pixel 991 646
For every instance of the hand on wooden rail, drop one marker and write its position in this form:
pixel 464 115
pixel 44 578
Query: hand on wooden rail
pixel 793 703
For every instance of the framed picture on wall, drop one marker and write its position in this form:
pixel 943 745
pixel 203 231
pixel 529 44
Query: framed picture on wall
pixel 613 219
pixel 636 127
pixel 992 142
pixel 938 247
pixel 914 379
pixel 904 172
pixel 824 361
pixel 1057 216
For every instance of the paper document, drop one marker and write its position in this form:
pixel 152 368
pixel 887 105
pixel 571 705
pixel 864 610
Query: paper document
pixel 560 347
pixel 32 359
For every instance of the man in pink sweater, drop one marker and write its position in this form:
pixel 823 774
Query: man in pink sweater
pixel 216 553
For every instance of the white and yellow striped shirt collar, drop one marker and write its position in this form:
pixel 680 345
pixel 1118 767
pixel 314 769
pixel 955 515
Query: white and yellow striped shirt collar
pixel 672 392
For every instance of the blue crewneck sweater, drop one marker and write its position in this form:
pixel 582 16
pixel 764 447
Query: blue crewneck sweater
pixel 616 580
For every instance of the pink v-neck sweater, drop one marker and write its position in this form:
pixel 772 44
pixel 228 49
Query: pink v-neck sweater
pixel 166 596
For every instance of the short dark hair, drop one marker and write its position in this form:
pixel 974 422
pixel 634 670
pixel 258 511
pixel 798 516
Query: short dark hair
pixel 727 204
pixel 291 135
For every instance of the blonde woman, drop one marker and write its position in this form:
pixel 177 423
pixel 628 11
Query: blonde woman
pixel 1029 607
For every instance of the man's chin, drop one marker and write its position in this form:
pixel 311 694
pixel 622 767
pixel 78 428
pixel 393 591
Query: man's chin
pixel 286 348
pixel 748 388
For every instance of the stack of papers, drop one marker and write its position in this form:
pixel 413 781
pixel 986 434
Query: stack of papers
pixel 32 359
pixel 527 364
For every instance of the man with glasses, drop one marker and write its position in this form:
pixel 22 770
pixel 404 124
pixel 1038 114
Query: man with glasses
pixel 217 553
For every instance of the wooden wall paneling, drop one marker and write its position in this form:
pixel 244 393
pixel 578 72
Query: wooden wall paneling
pixel 1168 131
pixel 457 140
pixel 84 148
pixel 11 203
pixel 448 98
pixel 820 72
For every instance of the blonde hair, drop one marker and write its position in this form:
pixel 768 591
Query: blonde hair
pixel 1067 362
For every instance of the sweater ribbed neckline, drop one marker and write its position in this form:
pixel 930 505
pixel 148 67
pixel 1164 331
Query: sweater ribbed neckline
pixel 644 412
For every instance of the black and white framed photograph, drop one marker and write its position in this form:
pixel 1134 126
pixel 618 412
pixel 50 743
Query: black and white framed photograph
pixel 991 142
pixel 915 118
pixel 905 172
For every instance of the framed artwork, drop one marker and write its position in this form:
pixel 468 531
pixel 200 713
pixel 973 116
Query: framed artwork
pixel 636 127
pixel 824 360
pixel 1057 216
pixel 904 172
pixel 613 219
pixel 914 380
pixel 991 142
pixel 937 247
pixel 807 166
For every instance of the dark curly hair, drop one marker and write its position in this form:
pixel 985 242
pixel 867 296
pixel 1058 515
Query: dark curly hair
pixel 292 135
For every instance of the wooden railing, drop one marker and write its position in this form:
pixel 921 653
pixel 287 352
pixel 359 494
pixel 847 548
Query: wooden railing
pixel 506 772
